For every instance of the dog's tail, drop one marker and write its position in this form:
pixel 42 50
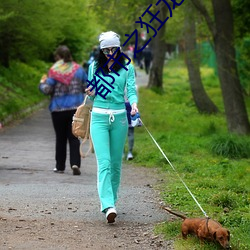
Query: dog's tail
pixel 175 213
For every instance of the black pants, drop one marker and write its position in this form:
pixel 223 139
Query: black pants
pixel 131 139
pixel 62 122
pixel 147 65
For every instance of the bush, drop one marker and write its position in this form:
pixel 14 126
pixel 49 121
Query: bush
pixel 231 146
pixel 19 88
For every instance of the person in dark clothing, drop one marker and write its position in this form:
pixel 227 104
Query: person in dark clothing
pixel 65 83
pixel 130 133
pixel 147 55
pixel 93 54
pixel 138 59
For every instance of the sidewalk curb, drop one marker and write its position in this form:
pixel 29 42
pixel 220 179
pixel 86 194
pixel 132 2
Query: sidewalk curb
pixel 22 114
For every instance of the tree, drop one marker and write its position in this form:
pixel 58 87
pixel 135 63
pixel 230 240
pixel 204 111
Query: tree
pixel 242 32
pixel 28 33
pixel 23 33
pixel 159 51
pixel 126 21
pixel 201 99
pixel 223 37
pixel 118 15
pixel 241 17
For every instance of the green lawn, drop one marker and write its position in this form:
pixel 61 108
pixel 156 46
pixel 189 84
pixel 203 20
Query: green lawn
pixel 214 164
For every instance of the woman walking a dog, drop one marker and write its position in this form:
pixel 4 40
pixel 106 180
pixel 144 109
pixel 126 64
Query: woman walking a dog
pixel 109 123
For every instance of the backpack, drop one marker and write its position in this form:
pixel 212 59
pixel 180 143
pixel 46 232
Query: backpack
pixel 81 126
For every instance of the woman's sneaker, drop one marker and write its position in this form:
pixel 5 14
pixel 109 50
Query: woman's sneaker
pixel 111 214
pixel 76 170
pixel 130 156
pixel 58 171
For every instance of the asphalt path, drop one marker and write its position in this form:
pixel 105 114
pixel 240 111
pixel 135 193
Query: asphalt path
pixel 26 177
pixel 31 190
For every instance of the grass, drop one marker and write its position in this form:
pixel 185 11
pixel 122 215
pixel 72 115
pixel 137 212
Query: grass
pixel 19 88
pixel 214 164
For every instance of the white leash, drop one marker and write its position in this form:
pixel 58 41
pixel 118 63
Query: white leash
pixel 174 169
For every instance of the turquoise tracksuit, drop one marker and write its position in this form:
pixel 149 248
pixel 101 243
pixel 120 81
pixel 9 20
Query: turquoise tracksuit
pixel 108 131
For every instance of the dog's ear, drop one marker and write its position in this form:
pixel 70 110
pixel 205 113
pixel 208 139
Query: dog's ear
pixel 214 235
pixel 228 237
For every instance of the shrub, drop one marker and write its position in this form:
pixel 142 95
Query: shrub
pixel 231 146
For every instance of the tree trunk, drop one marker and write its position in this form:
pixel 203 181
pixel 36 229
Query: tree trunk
pixel 159 51
pixel 201 99
pixel 233 97
pixel 223 37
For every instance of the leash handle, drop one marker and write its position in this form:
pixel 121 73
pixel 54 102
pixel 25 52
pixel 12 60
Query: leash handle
pixel 174 170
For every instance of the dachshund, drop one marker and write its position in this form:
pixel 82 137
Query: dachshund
pixel 204 229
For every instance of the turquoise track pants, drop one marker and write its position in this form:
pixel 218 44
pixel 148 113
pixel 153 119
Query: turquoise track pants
pixel 108 136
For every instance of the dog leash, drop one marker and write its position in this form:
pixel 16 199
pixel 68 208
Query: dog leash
pixel 174 170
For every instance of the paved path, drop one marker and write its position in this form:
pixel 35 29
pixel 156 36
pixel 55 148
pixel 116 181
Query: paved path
pixel 27 160
pixel 31 191
pixel 26 163
pixel 141 78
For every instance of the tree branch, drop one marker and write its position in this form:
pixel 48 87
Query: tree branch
pixel 202 9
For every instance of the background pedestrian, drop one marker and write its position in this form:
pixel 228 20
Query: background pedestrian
pixel 148 56
pixel 65 84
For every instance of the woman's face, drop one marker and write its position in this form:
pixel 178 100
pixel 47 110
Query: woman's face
pixel 109 52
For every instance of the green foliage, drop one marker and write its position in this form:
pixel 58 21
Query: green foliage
pixel 241 17
pixel 28 33
pixel 219 183
pixel 19 87
pixel 242 35
pixel 121 15
pixel 243 60
pixel 115 9
pixel 175 25
pixel 231 146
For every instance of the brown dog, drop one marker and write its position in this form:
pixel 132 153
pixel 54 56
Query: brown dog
pixel 204 229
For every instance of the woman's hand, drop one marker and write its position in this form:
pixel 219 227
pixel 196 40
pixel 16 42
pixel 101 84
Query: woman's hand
pixel 88 92
pixel 43 79
pixel 134 109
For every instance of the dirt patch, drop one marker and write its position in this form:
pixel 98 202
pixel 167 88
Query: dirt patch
pixel 51 234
